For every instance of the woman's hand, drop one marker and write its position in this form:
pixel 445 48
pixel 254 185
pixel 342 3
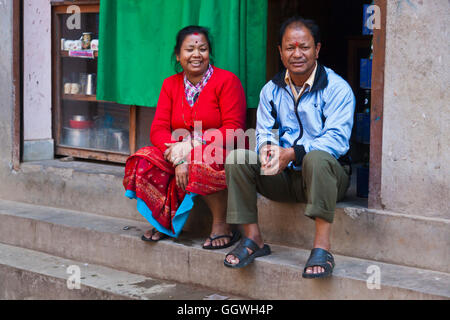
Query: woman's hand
pixel 182 175
pixel 177 151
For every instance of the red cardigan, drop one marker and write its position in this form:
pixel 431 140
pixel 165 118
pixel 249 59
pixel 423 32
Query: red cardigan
pixel 221 105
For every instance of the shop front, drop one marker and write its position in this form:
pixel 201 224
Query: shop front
pixel 108 62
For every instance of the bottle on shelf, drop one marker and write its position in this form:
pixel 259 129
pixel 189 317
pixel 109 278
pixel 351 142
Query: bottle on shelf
pixel 363 118
pixel 366 101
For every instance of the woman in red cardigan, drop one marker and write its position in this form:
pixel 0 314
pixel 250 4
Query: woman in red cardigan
pixel 199 104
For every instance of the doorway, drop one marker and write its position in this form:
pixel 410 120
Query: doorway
pixel 344 47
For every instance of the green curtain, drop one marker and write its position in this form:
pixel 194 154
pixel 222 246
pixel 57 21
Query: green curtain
pixel 137 37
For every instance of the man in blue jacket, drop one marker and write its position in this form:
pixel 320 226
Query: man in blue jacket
pixel 304 123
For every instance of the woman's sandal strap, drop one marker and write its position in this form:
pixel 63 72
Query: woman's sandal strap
pixel 220 237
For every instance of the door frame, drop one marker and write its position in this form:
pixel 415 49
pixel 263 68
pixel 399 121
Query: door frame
pixel 377 105
pixel 17 73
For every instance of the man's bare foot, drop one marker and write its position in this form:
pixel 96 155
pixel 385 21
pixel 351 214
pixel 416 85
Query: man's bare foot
pixel 317 269
pixel 321 240
pixel 320 264
pixel 235 260
pixel 252 232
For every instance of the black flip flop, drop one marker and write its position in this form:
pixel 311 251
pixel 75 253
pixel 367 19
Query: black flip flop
pixel 162 236
pixel 244 256
pixel 233 239
pixel 319 258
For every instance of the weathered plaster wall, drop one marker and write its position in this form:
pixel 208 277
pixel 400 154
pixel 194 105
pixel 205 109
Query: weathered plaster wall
pixel 416 132
pixel 37 97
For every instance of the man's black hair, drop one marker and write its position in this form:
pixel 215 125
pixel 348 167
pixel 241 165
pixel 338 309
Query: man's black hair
pixel 310 24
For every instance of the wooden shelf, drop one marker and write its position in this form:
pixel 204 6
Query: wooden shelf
pixel 86 6
pixel 65 54
pixel 83 97
pixel 80 97
pixel 92 154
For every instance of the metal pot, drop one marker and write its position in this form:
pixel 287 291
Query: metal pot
pixel 76 137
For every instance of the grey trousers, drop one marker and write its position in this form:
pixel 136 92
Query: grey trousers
pixel 320 184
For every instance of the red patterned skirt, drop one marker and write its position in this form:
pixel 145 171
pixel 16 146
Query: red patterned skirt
pixel 151 179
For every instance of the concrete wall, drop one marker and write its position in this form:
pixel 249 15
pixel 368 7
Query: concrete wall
pixel 37 97
pixel 416 133
pixel 6 86
pixel 37 70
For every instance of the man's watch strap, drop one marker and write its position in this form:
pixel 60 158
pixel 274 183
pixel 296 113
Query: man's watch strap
pixel 300 153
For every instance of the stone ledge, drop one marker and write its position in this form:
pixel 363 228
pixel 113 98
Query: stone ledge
pixel 75 185
pixel 84 186
pixel 76 166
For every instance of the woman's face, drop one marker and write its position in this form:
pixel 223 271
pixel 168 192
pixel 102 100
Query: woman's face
pixel 194 56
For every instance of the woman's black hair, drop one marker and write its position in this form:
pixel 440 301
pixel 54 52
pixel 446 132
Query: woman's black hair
pixel 310 24
pixel 181 35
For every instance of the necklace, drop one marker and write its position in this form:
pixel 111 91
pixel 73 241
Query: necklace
pixel 192 109
pixel 206 76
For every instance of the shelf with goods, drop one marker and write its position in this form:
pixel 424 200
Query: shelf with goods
pixel 66 54
pixel 362 122
pixel 80 97
pixel 84 127
pixel 359 77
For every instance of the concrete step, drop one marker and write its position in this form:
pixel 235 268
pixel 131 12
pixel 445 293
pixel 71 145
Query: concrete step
pixel 26 274
pixel 414 241
pixel 357 231
pixel 102 240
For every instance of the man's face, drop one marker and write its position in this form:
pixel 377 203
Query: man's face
pixel 298 51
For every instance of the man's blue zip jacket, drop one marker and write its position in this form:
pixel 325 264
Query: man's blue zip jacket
pixel 322 119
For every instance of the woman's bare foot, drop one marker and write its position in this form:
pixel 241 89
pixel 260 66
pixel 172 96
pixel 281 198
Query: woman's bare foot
pixel 219 229
pixel 216 203
pixel 154 235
